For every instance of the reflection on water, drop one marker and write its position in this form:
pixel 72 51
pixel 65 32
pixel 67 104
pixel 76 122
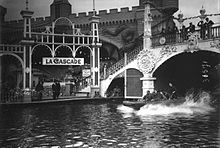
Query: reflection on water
pixel 110 124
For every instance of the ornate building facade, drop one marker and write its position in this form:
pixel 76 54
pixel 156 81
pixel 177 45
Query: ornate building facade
pixel 120 31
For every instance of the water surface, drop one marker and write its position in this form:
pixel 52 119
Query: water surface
pixel 110 124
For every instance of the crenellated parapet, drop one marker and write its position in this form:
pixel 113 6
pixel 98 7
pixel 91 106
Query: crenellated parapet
pixel 111 20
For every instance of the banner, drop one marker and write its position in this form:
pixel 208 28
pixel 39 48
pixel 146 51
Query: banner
pixel 63 61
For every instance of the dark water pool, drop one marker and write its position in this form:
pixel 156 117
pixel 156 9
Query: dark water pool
pixel 103 125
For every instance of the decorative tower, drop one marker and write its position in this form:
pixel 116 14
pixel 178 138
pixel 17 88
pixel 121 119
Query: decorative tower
pixel 27 42
pixel 60 8
pixel 95 55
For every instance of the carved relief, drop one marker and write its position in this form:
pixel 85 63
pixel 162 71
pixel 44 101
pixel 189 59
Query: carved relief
pixel 146 61
pixel 215 44
pixel 167 50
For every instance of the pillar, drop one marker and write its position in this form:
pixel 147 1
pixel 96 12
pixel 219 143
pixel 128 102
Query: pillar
pixel 147 80
pixel 0 77
pixel 95 61
pixel 27 41
pixel 147 27
pixel 148 84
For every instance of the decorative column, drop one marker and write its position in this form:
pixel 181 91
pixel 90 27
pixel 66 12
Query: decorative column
pixel 0 77
pixel 95 57
pixel 27 42
pixel 146 59
pixel 147 26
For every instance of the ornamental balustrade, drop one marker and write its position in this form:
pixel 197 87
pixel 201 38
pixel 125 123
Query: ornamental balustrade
pixel 11 48
pixel 173 38
pixel 121 63
pixel 48 37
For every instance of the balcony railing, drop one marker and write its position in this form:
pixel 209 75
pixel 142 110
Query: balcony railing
pixel 174 38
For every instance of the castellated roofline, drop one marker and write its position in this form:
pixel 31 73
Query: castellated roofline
pixel 80 14
pixel 106 12
pixel 107 16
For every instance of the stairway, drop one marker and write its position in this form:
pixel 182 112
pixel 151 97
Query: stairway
pixel 121 63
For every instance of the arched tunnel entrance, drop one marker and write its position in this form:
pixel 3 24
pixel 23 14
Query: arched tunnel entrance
pixel 116 88
pixel 197 70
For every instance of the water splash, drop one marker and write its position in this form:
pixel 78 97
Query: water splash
pixel 126 111
pixel 193 104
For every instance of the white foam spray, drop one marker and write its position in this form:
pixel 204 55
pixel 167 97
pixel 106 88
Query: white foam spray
pixel 193 104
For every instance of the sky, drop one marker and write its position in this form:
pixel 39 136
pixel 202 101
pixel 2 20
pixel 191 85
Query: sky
pixel 41 8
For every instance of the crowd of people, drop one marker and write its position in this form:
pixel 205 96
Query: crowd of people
pixel 158 96
pixel 161 95
pixel 204 26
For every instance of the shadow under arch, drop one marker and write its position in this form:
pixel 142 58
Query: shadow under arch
pixel 15 55
pixel 12 71
pixel 32 50
pixel 185 70
pixel 84 52
pixel 68 47
pixel 83 46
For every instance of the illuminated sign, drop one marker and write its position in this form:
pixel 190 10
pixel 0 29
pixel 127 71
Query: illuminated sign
pixel 63 61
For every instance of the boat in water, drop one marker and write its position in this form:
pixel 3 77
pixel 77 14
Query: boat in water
pixel 168 102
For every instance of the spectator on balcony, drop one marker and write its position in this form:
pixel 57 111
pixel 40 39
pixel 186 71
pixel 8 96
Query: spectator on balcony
pixel 202 26
pixel 163 32
pixel 183 33
pixel 208 26
pixel 191 28
pixel 175 33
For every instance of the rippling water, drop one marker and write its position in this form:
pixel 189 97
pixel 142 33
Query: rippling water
pixel 109 125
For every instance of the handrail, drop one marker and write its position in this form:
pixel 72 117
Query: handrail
pixel 120 64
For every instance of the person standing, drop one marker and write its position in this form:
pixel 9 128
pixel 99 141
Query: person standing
pixel 208 26
pixel 54 90
pixel 191 28
pixel 57 86
pixel 183 33
pixel 39 89
pixel 172 91
pixel 202 26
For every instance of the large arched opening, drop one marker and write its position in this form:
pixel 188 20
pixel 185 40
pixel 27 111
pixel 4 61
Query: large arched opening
pixel 197 70
pixel 116 88
pixel 11 72
pixel 40 71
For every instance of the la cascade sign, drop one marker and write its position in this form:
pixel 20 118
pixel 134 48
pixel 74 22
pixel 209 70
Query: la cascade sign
pixel 63 61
